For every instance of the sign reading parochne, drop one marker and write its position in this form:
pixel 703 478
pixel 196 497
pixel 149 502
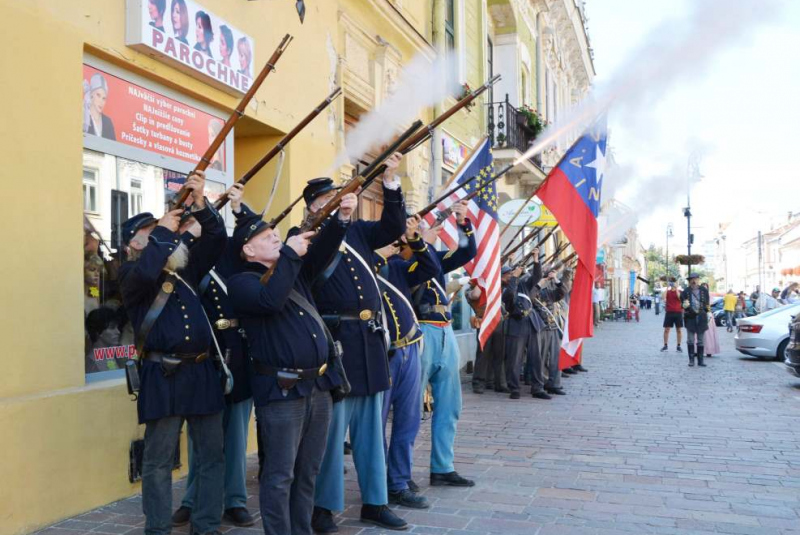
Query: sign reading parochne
pixel 124 112
pixel 193 39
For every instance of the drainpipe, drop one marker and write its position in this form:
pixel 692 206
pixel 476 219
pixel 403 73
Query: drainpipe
pixel 436 139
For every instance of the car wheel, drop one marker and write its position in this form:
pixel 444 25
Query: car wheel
pixel 782 350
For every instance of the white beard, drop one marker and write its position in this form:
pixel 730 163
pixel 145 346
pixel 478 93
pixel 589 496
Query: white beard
pixel 179 258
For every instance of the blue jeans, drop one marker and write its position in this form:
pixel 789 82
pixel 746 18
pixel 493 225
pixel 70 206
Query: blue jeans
pixel 293 433
pixel 362 414
pixel 729 319
pixel 235 425
pixel 160 441
pixel 403 399
pixel 440 368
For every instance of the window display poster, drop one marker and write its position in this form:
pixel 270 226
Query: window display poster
pixel 191 37
pixel 127 113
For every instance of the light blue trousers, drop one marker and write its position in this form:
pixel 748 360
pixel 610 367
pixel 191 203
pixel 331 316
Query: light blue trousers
pixel 440 368
pixel 235 425
pixel 362 415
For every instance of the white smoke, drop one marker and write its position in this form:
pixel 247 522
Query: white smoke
pixel 421 84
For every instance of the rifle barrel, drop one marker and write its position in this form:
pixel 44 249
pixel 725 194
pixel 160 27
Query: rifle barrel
pixel 352 186
pixel 423 135
pixel 425 211
pixel 245 178
pixel 212 149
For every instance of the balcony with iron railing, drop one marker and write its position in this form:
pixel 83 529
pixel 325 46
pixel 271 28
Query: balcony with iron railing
pixel 509 129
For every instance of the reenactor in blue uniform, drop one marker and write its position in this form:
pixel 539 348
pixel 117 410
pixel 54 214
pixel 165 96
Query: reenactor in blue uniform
pixel 440 358
pixel 522 329
pixel 348 298
pixel 179 380
pixel 213 290
pixel 291 363
pixel 489 365
pixel 396 277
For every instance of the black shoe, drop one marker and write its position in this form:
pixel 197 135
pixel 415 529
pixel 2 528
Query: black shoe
pixel 580 368
pixel 691 360
pixel 541 395
pixel 408 498
pixel 348 450
pixel 413 487
pixel 451 479
pixel 478 388
pixel 568 371
pixel 322 521
pixel 514 395
pixel 502 390
pixel 382 516
pixel 678 349
pixel 181 516
pixel 556 391
pixel 665 348
pixel 239 516
pixel 700 361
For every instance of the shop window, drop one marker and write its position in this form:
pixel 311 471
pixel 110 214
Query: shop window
pixel 89 190
pixel 116 188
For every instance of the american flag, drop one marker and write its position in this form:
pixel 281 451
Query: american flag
pixel 482 209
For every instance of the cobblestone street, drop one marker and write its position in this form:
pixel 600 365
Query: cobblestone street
pixel 641 444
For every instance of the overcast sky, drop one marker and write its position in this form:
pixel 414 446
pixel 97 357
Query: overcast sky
pixel 742 110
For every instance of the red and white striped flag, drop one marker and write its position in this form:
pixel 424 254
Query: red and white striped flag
pixel 482 210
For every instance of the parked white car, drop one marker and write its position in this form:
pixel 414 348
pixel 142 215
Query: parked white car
pixel 766 335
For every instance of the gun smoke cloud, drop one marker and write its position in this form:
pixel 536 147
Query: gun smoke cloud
pixel 421 84
pixel 676 51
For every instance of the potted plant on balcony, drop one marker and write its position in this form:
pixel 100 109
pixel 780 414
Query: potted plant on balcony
pixel 466 91
pixel 532 120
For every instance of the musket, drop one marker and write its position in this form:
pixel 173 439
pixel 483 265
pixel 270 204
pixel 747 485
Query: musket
pixel 560 249
pixel 565 261
pixel 505 227
pixel 205 160
pixel 526 239
pixel 425 133
pixel 280 217
pixel 425 211
pixel 317 218
pixel 245 178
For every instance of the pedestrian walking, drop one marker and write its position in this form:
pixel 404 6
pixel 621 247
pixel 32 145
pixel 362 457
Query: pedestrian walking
pixel 597 302
pixel 695 304
pixel 673 316
pixel 729 306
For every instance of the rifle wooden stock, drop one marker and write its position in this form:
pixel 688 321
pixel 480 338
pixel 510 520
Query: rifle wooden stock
pixel 245 178
pixel 424 134
pixel 358 181
pixel 205 160
pixel 566 261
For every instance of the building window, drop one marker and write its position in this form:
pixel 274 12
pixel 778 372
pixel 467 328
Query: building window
pixel 450 40
pixel 523 87
pixel 136 196
pixel 89 190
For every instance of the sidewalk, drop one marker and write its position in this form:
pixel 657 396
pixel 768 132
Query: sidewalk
pixel 641 444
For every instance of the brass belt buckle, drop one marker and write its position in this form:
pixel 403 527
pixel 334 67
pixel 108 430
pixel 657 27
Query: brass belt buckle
pixel 365 315
pixel 322 369
pixel 222 324
pixel 200 358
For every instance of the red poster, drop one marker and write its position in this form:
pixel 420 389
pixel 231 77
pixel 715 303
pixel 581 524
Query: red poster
pixel 130 114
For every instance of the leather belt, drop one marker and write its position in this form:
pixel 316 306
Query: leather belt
pixel 430 309
pixel 271 371
pixel 189 358
pixel 223 324
pixel 407 339
pixel 350 315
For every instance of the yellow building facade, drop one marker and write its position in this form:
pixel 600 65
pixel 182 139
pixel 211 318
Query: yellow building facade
pixel 67 425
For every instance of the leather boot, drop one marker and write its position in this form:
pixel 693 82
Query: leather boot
pixel 701 356
pixel 690 347
pixel 691 359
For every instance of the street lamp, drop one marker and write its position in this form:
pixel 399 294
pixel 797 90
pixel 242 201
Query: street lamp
pixel 666 255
